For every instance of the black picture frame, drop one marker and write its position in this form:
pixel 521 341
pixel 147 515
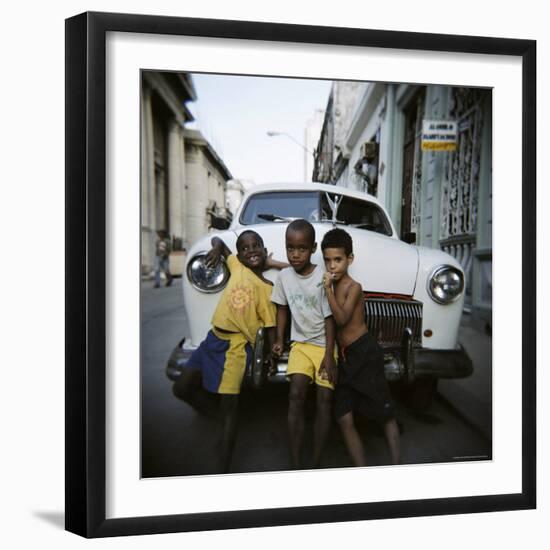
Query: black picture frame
pixel 86 269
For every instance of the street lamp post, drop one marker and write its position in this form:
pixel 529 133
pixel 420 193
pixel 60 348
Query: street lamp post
pixel 272 133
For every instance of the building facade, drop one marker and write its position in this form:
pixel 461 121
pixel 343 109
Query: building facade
pixel 234 196
pixel 444 198
pixel 341 105
pixel 182 177
pixel 311 137
pixel 206 179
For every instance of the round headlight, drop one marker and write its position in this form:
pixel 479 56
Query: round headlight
pixel 446 284
pixel 207 279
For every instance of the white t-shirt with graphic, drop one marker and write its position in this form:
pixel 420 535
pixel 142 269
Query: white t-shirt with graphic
pixel 307 300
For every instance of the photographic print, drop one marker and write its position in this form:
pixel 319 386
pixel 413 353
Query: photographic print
pixel 391 185
pixel 280 276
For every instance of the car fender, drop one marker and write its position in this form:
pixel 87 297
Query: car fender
pixel 200 306
pixel 442 320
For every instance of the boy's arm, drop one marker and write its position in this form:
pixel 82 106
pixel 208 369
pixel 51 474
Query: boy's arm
pixel 270 263
pixel 327 364
pixel 282 317
pixel 219 249
pixel 342 313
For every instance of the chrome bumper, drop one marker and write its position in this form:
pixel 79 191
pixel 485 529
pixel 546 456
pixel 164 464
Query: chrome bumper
pixel 406 363
pixel 427 363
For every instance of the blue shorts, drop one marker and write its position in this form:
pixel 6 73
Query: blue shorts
pixel 222 359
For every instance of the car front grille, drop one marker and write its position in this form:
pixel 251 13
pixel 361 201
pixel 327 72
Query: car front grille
pixel 388 317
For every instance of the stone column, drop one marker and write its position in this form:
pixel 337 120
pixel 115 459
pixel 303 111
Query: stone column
pixel 184 191
pixel 147 180
pixel 175 184
pixel 197 193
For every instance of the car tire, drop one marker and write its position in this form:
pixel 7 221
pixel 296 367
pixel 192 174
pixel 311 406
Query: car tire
pixel 420 394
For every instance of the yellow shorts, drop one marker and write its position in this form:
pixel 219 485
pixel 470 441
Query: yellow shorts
pixel 222 359
pixel 305 358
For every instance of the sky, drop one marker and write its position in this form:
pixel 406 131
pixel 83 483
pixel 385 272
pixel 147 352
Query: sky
pixel 235 113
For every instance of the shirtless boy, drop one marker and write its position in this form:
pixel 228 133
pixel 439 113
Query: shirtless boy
pixel 362 387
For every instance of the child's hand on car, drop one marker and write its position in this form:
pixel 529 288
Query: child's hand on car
pixel 277 349
pixel 213 257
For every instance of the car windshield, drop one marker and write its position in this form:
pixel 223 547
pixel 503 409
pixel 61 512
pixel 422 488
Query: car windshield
pixel 354 212
pixel 281 206
pixel 314 206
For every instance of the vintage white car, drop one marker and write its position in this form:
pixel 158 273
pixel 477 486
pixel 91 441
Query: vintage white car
pixel 413 295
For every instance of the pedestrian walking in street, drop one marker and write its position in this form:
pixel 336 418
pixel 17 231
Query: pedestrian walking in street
pixel 218 365
pixel 299 288
pixel 163 247
pixel 362 386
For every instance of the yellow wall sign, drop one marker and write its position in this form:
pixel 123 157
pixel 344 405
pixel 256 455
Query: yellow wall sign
pixel 439 135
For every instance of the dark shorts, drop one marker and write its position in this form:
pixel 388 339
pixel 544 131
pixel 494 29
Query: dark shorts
pixel 362 386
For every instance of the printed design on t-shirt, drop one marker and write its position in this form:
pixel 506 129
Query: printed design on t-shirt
pixel 239 298
pixel 303 301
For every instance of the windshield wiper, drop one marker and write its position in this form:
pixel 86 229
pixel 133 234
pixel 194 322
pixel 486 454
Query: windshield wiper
pixel 273 217
pixel 335 222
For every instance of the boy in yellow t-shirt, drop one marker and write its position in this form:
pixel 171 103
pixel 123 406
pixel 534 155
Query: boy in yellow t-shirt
pixel 219 363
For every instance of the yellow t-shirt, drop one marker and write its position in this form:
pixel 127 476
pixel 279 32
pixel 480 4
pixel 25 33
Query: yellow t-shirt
pixel 245 304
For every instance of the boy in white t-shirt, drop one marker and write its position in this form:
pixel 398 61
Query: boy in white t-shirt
pixel 299 288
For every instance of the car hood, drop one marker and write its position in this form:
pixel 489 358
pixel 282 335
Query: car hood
pixel 382 264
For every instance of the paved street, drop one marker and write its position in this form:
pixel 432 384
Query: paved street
pixel 178 441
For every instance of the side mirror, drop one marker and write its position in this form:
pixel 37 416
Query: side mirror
pixel 409 238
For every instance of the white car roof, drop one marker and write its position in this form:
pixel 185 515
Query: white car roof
pixel 311 186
